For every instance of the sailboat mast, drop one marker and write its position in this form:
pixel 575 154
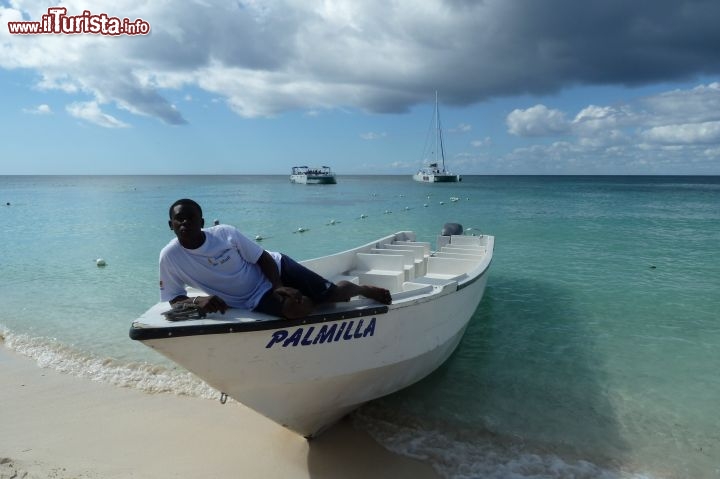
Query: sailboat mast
pixel 438 138
pixel 437 127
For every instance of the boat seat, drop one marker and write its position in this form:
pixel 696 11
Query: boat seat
pixel 463 250
pixel 443 284
pixel 342 277
pixel 412 289
pixel 457 255
pixel 382 270
pixel 418 250
pixel 462 240
pixel 408 258
pixel 425 245
pixel 446 268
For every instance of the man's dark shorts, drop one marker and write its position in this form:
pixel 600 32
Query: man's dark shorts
pixel 296 276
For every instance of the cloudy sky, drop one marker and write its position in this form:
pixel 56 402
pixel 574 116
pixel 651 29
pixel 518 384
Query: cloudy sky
pixel 251 86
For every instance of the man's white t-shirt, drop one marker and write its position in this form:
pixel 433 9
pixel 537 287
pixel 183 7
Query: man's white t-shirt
pixel 224 266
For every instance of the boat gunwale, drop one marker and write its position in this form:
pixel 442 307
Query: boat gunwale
pixel 174 331
pixel 167 332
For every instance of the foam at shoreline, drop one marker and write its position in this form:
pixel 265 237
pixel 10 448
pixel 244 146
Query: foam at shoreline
pixel 150 378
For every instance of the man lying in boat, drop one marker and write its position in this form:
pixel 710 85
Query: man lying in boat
pixel 236 272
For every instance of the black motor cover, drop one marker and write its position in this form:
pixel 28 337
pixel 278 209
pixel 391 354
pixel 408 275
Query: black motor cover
pixel 450 229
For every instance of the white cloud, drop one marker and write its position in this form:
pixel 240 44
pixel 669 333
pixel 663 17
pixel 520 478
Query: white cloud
pixel 538 120
pixel 461 128
pixel 90 112
pixel 691 133
pixel 267 57
pixel 697 105
pixel 372 136
pixel 487 141
pixel 39 110
pixel 649 135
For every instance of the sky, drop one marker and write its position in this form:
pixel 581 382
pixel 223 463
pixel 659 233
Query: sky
pixel 255 87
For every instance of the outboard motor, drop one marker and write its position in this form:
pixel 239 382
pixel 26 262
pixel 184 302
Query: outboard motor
pixel 450 229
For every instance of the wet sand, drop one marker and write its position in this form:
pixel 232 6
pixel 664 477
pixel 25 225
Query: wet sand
pixel 58 426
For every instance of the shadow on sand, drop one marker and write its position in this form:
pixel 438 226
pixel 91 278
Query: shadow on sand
pixel 342 452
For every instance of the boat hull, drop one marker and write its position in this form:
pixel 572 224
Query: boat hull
pixel 306 387
pixel 313 180
pixel 436 178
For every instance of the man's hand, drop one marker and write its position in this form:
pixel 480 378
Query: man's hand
pixel 210 304
pixel 289 294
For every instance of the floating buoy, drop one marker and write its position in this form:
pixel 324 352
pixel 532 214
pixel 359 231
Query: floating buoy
pixel 333 222
pixel 100 262
pixel 407 208
pixel 363 216
pixel 301 229
pixel 259 238
pixel 387 212
pixel 442 202
pixel 425 205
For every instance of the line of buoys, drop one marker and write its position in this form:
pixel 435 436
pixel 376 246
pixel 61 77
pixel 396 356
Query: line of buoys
pixel 332 222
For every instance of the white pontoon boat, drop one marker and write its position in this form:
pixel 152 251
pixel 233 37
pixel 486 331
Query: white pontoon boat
pixel 305 175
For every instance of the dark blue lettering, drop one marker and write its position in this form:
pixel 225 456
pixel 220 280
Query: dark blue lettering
pixel 357 333
pixel 325 334
pixel 294 339
pixel 277 336
pixel 339 334
pixel 348 332
pixel 306 340
pixel 370 330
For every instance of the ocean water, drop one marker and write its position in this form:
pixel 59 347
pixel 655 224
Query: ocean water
pixel 594 353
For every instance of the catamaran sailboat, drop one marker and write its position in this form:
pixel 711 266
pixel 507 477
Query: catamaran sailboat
pixel 436 172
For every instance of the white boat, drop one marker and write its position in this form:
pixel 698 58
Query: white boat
pixel 306 374
pixel 305 175
pixel 436 172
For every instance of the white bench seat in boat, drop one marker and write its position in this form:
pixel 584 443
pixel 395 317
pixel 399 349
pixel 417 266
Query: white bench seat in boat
pixel 463 249
pixel 458 255
pixel 384 271
pixel 462 240
pixel 408 258
pixel 446 268
pixel 411 289
pixel 425 245
pixel 343 277
pixel 419 250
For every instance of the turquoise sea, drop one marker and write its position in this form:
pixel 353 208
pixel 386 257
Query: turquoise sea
pixel 594 353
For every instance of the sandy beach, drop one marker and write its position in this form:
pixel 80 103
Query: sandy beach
pixel 58 426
